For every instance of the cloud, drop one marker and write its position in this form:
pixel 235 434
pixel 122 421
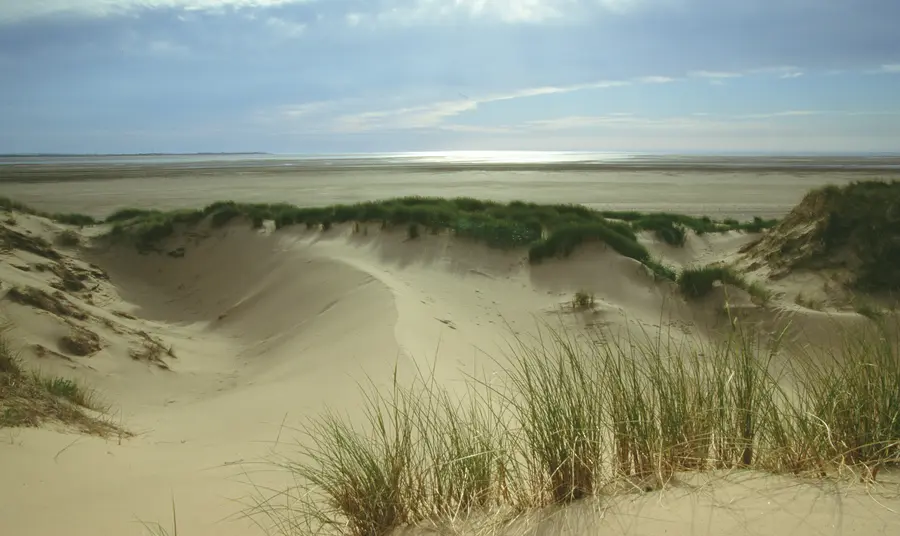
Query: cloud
pixel 307 109
pixel 435 115
pixel 787 113
pixel 695 120
pixel 890 68
pixel 353 19
pixel 415 117
pixel 432 115
pixel 655 79
pixel 510 11
pixel 403 11
pixel 478 129
pixel 286 28
pixel 715 75
pixel 784 71
pixel 17 10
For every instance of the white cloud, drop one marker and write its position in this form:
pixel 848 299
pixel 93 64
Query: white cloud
pixel 777 69
pixel 506 10
pixel 796 74
pixel 398 11
pixel 698 120
pixel 17 10
pixel 353 19
pixel 308 108
pixel 787 113
pixel 286 28
pixel 715 75
pixel 428 116
pixel 432 115
pixel 655 80
pixel 620 122
pixel 890 68
pixel 478 129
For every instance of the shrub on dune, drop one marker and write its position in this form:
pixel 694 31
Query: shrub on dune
pixel 698 282
pixel 563 241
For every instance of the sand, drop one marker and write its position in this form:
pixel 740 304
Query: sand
pixel 717 192
pixel 268 329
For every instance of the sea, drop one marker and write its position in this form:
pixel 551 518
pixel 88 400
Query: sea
pixel 469 159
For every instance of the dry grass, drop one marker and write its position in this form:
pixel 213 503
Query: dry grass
pixel 583 300
pixel 55 303
pixel 33 399
pixel 574 419
pixel 152 350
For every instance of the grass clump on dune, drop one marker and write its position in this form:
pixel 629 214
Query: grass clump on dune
pixel 68 238
pixel 853 230
pixel 70 219
pixel 571 419
pixel 28 400
pixel 697 282
pixel 864 217
pixel 421 454
pixel 702 225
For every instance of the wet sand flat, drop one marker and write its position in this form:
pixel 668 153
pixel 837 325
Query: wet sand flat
pixel 714 191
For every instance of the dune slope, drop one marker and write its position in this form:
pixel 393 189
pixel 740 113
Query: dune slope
pixel 215 350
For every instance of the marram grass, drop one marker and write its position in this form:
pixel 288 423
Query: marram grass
pixel 574 419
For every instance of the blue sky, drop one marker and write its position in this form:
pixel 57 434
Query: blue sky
pixel 312 76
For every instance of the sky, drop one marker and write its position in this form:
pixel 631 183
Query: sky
pixel 341 76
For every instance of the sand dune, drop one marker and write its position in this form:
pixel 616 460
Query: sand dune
pixel 259 330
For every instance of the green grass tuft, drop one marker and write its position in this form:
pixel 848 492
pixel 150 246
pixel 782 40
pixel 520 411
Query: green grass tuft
pixel 68 389
pixel 570 419
pixel 563 241
pixel 32 399
pixel 698 282
pixel 68 238
pixel 79 220
pixel 69 219
pixel 126 214
pixel 661 271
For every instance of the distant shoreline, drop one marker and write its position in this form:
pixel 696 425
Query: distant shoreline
pixel 102 155
pixel 67 172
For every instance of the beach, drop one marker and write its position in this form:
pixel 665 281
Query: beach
pixel 720 187
pixel 262 329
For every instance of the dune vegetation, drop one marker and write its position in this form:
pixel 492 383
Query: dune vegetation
pixel 864 217
pixel 855 228
pixel 31 398
pixel 8 204
pixel 547 231
pixel 695 282
pixel 573 420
